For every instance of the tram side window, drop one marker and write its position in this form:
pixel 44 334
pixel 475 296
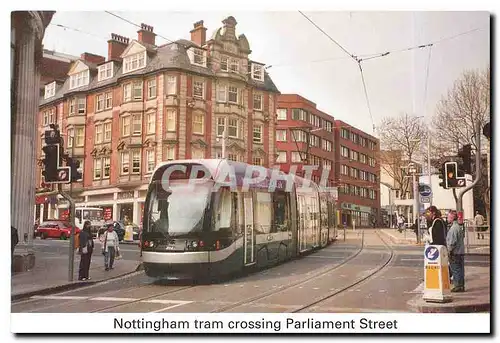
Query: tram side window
pixel 281 212
pixel 237 219
pixel 222 211
pixel 264 212
pixel 331 214
pixel 324 212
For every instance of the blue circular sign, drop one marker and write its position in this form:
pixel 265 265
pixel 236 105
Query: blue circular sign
pixel 425 190
pixel 431 253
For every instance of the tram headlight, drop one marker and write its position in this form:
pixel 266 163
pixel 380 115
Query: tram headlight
pixel 194 244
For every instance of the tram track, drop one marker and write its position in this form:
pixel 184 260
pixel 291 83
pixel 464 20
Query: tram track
pixel 293 284
pixel 357 282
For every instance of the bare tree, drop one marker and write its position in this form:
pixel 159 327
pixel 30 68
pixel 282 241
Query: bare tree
pixel 454 123
pixel 401 139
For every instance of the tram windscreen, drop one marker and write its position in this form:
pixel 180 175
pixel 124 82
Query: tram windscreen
pixel 178 210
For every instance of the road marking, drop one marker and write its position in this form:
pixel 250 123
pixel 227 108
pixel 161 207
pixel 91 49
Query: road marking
pixel 58 297
pixel 168 307
pixel 412 259
pixel 112 299
pixel 418 289
pixel 328 257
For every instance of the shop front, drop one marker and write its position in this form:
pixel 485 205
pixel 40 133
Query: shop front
pixel 355 215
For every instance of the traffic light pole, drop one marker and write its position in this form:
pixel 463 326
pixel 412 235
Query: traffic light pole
pixel 478 174
pixel 72 237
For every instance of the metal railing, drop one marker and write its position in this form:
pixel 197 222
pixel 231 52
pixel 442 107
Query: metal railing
pixel 477 238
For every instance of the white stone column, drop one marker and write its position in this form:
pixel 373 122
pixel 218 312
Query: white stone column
pixel 115 206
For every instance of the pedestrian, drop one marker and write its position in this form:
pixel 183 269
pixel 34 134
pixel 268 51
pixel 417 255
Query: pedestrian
pixel 437 228
pixel 14 240
pixel 110 247
pixel 401 223
pixel 479 221
pixel 85 250
pixel 456 251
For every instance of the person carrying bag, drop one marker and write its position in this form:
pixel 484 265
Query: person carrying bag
pixel 110 247
pixel 85 249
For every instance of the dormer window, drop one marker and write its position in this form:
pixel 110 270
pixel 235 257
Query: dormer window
pixel 79 80
pixel 257 72
pixel 198 57
pixel 105 71
pixel 50 90
pixel 134 62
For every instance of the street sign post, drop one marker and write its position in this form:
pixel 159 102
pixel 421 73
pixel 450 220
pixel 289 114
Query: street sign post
pixel 425 190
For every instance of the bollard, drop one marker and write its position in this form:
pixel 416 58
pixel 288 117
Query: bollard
pixel 436 274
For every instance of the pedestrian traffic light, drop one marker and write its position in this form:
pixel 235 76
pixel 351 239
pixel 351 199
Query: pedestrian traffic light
pixel 442 176
pixel 465 154
pixel 74 165
pixel 451 169
pixel 50 162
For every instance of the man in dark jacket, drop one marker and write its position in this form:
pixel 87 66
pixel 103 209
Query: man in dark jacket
pixel 437 228
pixel 14 239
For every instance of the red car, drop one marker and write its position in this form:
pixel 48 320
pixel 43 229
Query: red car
pixel 55 229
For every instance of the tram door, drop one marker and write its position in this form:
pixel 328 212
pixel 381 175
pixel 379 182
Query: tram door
pixel 303 225
pixel 314 213
pixel 249 240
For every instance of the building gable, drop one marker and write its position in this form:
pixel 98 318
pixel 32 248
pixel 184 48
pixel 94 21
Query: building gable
pixel 133 48
pixel 78 67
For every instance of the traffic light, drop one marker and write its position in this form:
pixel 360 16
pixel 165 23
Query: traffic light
pixel 74 165
pixel 465 155
pixel 50 162
pixel 451 170
pixel 442 176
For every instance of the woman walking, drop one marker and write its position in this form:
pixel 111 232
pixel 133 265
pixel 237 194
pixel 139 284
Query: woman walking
pixel 110 247
pixel 86 248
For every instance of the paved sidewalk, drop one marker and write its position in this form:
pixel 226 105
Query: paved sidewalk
pixel 51 273
pixel 476 297
pixel 405 237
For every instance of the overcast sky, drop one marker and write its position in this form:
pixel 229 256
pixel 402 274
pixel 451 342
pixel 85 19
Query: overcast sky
pixel 306 62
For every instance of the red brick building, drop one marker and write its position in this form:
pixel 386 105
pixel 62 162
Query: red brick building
pixel 357 171
pixel 308 136
pixel 144 104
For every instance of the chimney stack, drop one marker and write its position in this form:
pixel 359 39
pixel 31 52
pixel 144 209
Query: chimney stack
pixel 116 46
pixel 146 34
pixel 199 33
pixel 96 59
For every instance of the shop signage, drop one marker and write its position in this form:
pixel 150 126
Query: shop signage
pixel 126 195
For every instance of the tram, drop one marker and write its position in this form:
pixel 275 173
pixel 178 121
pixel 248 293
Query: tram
pixel 204 219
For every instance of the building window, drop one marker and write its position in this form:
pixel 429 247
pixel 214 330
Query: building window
pixel 299 136
pixel 354 155
pixel 79 137
pixel 232 157
pixel 233 94
pixel 354 173
pixel 125 126
pixel 137 90
pixel 371 162
pixel 98 133
pixel 151 121
pixel 281 135
pixel 257 133
pixel 224 63
pixel 151 88
pixel 327 145
pixel 197 56
pixel 71 137
pixel 327 164
pixel 197 153
pixel 221 93
pixel 198 121
pixel 45 118
pixel 127 92
pixel 362 141
pixel 344 170
pixel 344 133
pixel 52 116
pixel 314 140
pixel 136 162
pixel 107 167
pixel 125 163
pixel 372 145
pixel 171 118
pixel 257 161
pixel 257 102
pixel 97 168
pixel 50 90
pixel 296 157
pixel 221 124
pixel 281 114
pixel 72 106
pixel 100 102
pixel 257 72
pixel 299 114
pixel 198 89
pixel 107 132
pixel 79 80
pixel 134 62
pixel 354 137
pixel 137 124
pixel 281 157
pixel 170 153
pixel 344 151
pixel 108 100
pixel 234 66
pixel 80 169
pixel 82 104
pixel 232 128
pixel 150 158
pixel 105 71
pixel 329 126
pixel 171 85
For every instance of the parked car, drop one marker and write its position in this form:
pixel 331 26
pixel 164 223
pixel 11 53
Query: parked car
pixel 55 229
pixel 120 229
